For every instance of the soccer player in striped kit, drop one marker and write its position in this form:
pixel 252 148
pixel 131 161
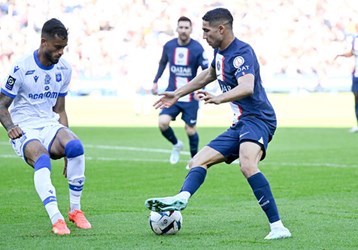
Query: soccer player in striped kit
pixel 236 68
pixel 32 110
pixel 184 55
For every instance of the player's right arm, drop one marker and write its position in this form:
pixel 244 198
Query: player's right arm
pixel 162 65
pixel 169 98
pixel 347 54
pixel 200 81
pixel 13 130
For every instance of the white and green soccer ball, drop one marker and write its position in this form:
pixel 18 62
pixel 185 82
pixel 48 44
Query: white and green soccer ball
pixel 163 223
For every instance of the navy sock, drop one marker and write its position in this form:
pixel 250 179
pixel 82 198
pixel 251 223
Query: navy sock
pixel 262 191
pixel 193 180
pixel 169 134
pixel 194 144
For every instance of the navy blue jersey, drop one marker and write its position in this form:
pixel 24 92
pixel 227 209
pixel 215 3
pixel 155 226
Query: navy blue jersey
pixel 235 61
pixel 355 53
pixel 184 62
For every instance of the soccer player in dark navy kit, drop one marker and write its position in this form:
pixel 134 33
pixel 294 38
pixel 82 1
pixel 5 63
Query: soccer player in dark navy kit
pixel 185 56
pixel 236 68
pixel 354 52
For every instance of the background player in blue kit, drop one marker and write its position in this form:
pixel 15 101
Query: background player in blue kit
pixel 32 110
pixel 185 56
pixel 236 68
pixel 354 52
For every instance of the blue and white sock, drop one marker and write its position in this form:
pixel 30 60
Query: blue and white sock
pixel 45 189
pixel 75 172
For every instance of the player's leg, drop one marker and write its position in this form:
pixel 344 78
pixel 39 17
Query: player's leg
pixel 355 93
pixel 189 116
pixel 250 155
pixel 37 156
pixel 193 180
pixel 67 144
pixel 193 137
pixel 165 117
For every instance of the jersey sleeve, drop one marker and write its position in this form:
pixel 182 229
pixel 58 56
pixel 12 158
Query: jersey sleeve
pixel 162 64
pixel 203 59
pixel 13 82
pixel 67 74
pixel 244 63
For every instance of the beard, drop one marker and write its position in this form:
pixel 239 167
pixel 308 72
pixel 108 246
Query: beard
pixel 50 58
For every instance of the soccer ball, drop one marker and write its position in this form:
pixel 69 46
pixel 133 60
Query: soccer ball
pixel 165 222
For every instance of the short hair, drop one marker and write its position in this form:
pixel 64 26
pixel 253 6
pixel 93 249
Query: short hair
pixel 218 16
pixel 185 19
pixel 54 27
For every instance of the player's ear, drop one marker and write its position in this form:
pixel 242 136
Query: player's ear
pixel 221 28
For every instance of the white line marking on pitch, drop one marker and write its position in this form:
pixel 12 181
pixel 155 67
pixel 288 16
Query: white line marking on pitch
pixel 167 151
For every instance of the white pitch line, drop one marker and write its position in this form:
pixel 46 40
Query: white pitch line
pixel 166 151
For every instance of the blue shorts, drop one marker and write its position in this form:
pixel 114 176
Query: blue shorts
pixel 189 112
pixel 247 129
pixel 354 84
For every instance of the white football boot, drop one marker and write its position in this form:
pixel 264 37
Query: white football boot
pixel 175 155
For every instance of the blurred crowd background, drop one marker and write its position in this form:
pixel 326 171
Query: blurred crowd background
pixel 115 46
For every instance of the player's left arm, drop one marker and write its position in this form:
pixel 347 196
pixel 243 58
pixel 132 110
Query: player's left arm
pixel 59 108
pixel 244 88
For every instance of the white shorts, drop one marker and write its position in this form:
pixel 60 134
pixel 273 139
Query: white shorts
pixel 45 135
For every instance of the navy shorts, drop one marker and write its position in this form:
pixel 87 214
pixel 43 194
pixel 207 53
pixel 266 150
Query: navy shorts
pixel 189 112
pixel 247 129
pixel 354 84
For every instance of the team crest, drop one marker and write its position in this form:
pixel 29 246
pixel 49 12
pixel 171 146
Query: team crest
pixel 58 77
pixel 238 61
pixel 10 83
pixel 218 65
pixel 47 79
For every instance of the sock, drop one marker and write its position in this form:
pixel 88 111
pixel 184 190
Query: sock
pixel 170 136
pixel 276 224
pixel 194 144
pixel 75 172
pixel 262 191
pixel 356 110
pixel 45 189
pixel 193 180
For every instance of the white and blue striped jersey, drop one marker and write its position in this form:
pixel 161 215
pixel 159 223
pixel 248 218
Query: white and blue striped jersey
pixel 34 89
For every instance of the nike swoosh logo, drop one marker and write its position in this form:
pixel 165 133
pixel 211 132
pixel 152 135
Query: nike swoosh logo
pixel 243 134
pixel 261 199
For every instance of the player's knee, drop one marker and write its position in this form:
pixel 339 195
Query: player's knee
pixel 74 148
pixel 248 169
pixel 43 162
pixel 163 126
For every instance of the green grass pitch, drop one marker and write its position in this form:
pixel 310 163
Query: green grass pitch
pixel 312 171
pixel 311 167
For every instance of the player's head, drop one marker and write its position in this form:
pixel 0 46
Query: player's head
pixel 184 29
pixel 54 37
pixel 217 24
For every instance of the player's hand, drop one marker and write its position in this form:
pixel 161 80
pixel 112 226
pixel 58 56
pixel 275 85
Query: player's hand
pixel 196 96
pixel 155 89
pixel 14 132
pixel 166 101
pixel 65 167
pixel 207 97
